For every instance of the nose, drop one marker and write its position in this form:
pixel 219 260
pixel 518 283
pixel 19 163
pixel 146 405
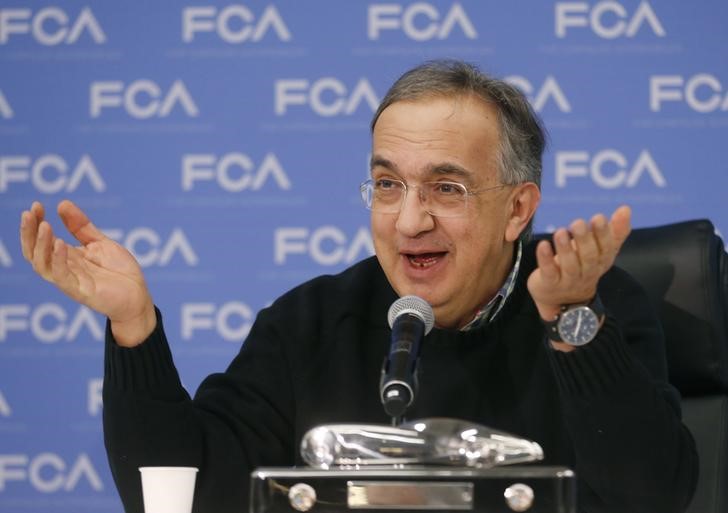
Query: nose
pixel 413 219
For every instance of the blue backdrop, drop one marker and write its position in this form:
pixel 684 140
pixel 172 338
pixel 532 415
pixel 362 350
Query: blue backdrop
pixel 223 144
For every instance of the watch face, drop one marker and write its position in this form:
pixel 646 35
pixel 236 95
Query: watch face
pixel 578 326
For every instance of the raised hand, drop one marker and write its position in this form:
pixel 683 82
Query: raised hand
pixel 583 254
pixel 100 273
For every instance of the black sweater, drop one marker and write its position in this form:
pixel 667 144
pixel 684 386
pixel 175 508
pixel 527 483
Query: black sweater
pixel 315 355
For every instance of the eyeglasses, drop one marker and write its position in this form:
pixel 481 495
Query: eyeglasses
pixel 441 199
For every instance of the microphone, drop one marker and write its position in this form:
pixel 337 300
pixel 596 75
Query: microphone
pixel 411 318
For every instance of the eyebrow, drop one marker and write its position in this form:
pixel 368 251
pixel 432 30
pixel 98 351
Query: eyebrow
pixel 376 161
pixel 448 168
pixel 443 168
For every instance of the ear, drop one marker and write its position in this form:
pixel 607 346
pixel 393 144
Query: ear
pixel 522 206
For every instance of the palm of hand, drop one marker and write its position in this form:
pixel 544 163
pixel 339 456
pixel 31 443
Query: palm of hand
pixel 106 278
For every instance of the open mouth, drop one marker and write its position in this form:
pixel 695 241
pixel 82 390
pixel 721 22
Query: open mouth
pixel 424 260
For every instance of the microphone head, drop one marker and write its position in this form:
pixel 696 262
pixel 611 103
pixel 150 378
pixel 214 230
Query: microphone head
pixel 412 305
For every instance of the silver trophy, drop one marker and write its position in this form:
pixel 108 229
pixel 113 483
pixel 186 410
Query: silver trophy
pixel 433 441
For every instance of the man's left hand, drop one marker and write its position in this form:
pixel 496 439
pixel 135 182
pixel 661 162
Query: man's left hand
pixel 583 254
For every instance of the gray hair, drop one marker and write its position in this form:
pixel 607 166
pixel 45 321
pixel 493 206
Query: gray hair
pixel 522 137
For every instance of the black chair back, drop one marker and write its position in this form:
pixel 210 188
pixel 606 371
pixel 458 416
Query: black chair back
pixel 684 269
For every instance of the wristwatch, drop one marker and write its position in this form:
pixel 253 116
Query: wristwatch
pixel 577 324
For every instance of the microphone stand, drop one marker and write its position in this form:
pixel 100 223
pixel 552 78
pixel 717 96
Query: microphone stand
pixel 397 420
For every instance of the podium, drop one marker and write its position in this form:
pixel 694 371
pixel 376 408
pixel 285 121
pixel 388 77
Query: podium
pixel 523 488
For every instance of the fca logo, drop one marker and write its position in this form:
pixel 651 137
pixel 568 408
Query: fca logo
pixel 608 168
pixel 47 472
pixel 48 322
pixel 150 249
pixel 49 26
pixel 233 24
pixel 327 96
pixel 607 19
pixel 231 320
pixel 49 174
pixel 233 172
pixel 327 245
pixel 420 21
pixel 142 99
pixel 702 92
pixel 539 97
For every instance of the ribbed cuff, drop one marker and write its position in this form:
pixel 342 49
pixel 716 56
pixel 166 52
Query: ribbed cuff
pixel 594 368
pixel 146 367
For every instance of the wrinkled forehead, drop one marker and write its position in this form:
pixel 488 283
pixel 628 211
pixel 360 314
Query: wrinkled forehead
pixel 433 134
pixel 441 109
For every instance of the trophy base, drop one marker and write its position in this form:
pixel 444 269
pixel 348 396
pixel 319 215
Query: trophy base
pixel 535 489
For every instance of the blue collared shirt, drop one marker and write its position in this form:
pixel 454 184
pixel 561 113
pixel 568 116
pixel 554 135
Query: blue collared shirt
pixel 491 310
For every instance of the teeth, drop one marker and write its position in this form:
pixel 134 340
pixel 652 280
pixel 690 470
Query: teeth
pixel 422 261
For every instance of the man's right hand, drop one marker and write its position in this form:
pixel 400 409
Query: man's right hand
pixel 100 273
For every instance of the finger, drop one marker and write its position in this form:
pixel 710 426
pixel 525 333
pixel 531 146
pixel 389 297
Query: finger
pixel 41 258
pixel 29 222
pixel 38 210
pixel 62 275
pixel 569 265
pixel 585 244
pixel 621 225
pixel 600 228
pixel 28 233
pixel 546 260
pixel 78 223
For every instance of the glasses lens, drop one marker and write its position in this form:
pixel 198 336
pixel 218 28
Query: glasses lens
pixel 445 199
pixel 384 195
pixel 366 193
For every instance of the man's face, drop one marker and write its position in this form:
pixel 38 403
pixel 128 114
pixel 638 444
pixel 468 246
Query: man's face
pixel 456 264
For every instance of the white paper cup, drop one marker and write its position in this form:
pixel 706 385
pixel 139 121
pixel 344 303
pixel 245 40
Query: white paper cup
pixel 168 489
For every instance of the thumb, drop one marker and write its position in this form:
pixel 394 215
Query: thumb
pixel 620 224
pixel 78 223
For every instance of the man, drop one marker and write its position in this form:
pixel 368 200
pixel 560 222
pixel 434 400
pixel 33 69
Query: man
pixel 455 171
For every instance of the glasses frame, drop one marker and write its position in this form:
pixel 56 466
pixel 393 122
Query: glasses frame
pixel 367 195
